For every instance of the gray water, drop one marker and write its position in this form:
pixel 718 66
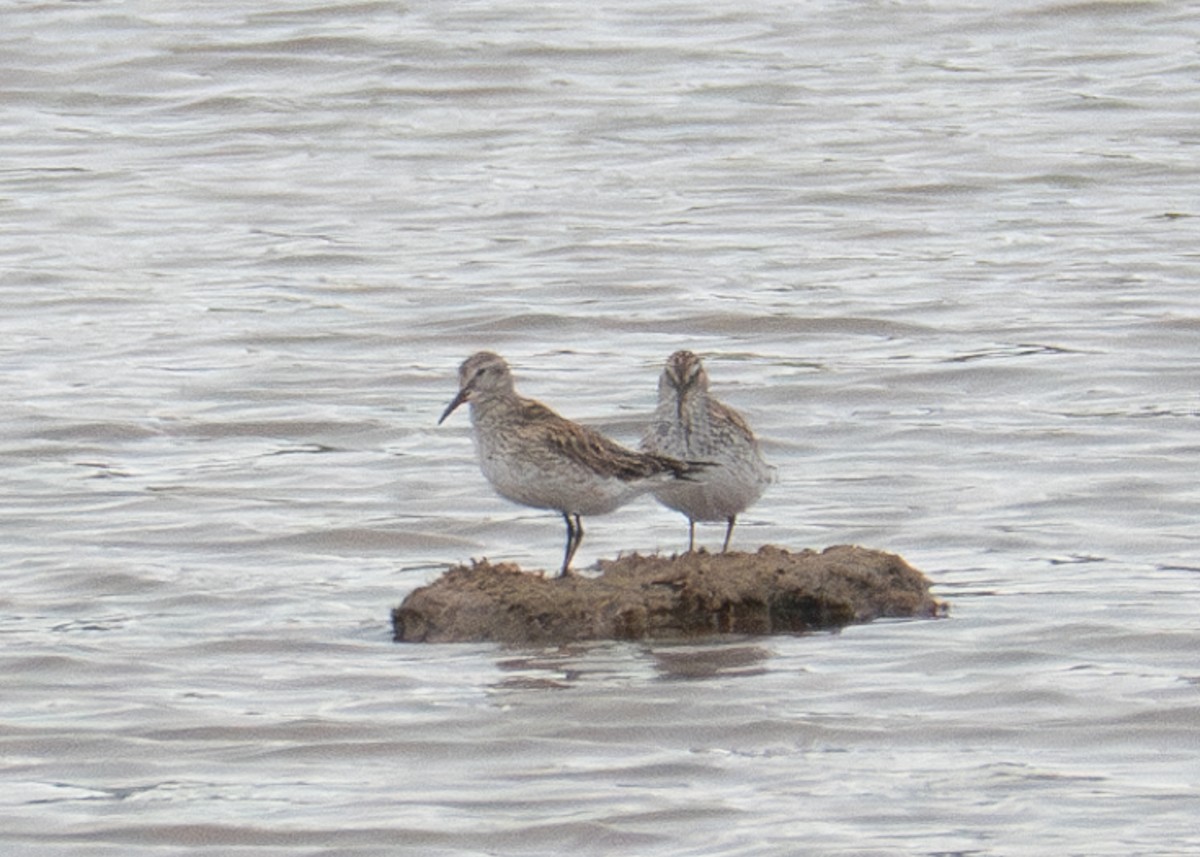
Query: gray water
pixel 942 255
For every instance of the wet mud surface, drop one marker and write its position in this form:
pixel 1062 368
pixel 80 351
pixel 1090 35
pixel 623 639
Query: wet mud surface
pixel 772 591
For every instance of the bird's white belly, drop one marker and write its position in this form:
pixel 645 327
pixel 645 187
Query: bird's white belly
pixel 737 478
pixel 556 484
pixel 716 494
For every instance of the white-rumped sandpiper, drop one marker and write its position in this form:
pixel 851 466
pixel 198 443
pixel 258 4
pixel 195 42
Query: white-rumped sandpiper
pixel 691 424
pixel 535 457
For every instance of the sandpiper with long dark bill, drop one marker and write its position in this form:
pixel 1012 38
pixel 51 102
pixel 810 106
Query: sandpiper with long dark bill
pixel 535 457
pixel 689 423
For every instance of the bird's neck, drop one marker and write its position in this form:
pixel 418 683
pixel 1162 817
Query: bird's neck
pixel 488 410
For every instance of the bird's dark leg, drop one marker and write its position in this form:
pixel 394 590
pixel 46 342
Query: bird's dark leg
pixel 728 532
pixel 691 535
pixel 574 537
pixel 568 550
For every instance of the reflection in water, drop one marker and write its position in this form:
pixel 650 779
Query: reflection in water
pixel 587 663
pixel 710 661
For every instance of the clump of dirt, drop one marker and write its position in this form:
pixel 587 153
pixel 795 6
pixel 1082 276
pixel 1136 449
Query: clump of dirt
pixel 772 591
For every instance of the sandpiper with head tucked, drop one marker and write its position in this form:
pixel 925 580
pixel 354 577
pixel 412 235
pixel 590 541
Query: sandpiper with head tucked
pixel 535 457
pixel 690 423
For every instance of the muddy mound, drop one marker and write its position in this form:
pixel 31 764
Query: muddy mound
pixel 773 591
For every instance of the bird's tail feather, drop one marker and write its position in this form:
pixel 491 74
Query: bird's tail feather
pixel 687 471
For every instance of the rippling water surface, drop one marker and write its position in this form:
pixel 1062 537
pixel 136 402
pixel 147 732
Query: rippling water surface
pixel 942 255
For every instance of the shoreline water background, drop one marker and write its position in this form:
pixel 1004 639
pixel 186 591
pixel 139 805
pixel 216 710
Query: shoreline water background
pixel 942 256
